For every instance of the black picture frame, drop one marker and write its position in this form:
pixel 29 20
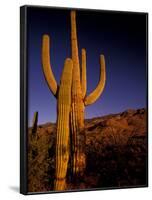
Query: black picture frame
pixel 24 97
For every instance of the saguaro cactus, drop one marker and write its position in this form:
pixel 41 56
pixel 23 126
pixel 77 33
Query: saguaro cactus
pixel 72 99
pixel 80 100
pixel 77 105
pixel 34 124
pixel 63 95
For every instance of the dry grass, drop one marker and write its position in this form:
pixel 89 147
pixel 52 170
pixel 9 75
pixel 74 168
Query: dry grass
pixel 116 150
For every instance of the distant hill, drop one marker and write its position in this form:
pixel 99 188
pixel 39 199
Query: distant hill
pixel 116 149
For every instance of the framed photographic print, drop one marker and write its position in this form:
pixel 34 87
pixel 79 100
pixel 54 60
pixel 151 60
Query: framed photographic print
pixel 84 99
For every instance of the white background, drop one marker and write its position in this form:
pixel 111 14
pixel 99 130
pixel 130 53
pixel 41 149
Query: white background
pixel 9 99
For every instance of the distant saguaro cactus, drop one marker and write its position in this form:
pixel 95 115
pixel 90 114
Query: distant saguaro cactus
pixel 72 94
pixel 34 124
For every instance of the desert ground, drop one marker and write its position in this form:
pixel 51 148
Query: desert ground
pixel 116 151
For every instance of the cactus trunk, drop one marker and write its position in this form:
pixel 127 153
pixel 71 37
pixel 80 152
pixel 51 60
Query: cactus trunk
pixel 77 106
pixel 62 143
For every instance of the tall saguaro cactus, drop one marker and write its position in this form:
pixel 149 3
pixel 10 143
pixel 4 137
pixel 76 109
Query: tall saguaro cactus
pixel 80 100
pixel 72 99
pixel 63 95
pixel 77 105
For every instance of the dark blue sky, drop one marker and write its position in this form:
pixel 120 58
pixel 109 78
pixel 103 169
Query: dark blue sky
pixel 121 37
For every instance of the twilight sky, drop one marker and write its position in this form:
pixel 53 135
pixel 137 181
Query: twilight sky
pixel 121 37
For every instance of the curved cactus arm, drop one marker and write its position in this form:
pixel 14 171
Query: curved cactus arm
pixel 91 98
pixel 47 69
pixel 83 73
pixel 63 109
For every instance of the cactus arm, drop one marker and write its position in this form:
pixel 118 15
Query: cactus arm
pixel 91 98
pixel 63 109
pixel 47 69
pixel 83 73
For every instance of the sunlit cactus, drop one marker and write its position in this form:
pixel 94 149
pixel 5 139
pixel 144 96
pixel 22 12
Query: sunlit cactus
pixel 47 69
pixel 80 100
pixel 63 110
pixel 63 95
pixel 72 99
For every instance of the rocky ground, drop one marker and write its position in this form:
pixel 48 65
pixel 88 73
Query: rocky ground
pixel 116 150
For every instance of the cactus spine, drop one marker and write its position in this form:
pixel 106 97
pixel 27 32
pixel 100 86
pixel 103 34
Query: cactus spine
pixel 71 94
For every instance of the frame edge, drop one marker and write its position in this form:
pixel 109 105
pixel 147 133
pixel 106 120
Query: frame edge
pixel 23 100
